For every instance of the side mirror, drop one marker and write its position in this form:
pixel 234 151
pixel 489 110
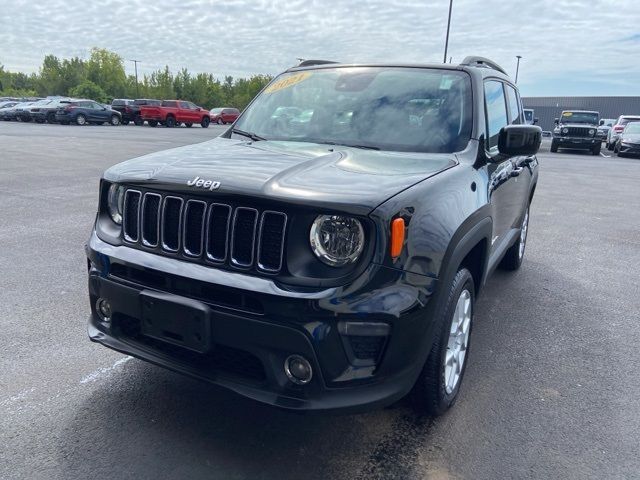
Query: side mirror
pixel 601 122
pixel 556 121
pixel 535 121
pixel 519 140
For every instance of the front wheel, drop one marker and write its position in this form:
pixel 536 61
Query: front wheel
pixel 115 120
pixel 51 117
pixel 220 122
pixel 153 123
pixel 171 122
pixel 554 146
pixel 439 382
pixel 81 119
pixel 125 122
pixel 596 149
pixel 138 121
pixel 205 122
pixel 514 256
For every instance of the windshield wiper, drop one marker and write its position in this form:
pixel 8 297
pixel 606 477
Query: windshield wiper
pixel 364 147
pixel 250 135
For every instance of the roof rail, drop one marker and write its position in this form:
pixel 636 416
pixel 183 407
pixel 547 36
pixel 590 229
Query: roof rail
pixel 482 62
pixel 310 63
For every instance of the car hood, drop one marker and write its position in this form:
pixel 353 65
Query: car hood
pixel 351 179
pixel 631 137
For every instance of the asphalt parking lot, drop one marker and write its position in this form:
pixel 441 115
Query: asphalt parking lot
pixel 551 388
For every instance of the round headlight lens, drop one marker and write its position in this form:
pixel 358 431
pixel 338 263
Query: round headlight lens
pixel 115 202
pixel 337 240
pixel 565 130
pixel 592 131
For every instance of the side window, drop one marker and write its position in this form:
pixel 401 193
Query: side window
pixel 515 114
pixel 184 104
pixel 496 111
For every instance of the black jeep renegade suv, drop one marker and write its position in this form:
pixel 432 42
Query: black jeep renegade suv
pixel 327 250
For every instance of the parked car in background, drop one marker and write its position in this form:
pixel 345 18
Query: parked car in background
pixel 134 109
pixel 576 130
pixel 46 111
pixel 14 112
pixel 628 143
pixel 603 130
pixel 616 130
pixel 224 115
pixel 7 104
pixel 529 118
pixel 82 112
pixel 123 105
pixel 174 112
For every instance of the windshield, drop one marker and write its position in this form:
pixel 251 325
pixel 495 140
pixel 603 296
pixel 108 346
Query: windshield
pixel 216 110
pixel 633 127
pixel 401 109
pixel 580 117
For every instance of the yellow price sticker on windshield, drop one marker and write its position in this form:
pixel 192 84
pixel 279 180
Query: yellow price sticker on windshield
pixel 567 114
pixel 287 82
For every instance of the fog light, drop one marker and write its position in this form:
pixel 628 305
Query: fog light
pixel 103 308
pixel 298 369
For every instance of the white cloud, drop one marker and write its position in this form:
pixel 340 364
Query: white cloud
pixel 560 40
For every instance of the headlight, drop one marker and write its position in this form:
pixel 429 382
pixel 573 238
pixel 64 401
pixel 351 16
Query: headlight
pixel 337 240
pixel 592 131
pixel 115 202
pixel 565 130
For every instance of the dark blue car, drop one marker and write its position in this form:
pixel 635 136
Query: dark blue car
pixel 82 112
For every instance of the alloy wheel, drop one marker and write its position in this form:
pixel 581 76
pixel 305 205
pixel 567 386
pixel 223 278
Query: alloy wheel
pixel 458 341
pixel 523 234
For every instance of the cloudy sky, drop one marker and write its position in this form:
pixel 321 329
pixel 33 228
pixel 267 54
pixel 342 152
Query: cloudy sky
pixel 569 47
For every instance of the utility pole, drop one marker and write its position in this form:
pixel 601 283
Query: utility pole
pixel 446 42
pixel 518 66
pixel 136 62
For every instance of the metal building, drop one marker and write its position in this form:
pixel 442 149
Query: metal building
pixel 548 108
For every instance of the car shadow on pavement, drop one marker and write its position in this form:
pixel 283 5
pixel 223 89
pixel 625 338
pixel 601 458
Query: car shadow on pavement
pixel 149 423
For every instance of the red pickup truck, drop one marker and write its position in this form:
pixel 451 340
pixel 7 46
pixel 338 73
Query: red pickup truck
pixel 175 112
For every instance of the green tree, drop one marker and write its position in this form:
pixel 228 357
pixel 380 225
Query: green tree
pixel 106 69
pixel 88 89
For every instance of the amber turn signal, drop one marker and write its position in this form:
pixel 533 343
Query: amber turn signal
pixel 397 237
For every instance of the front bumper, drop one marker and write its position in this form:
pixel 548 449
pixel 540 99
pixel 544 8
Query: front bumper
pixel 251 339
pixel 578 143
pixel 629 149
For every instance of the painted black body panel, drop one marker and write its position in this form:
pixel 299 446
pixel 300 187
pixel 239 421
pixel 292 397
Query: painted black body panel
pixel 452 204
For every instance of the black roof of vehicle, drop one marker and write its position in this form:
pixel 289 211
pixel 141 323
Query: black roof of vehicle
pixel 482 65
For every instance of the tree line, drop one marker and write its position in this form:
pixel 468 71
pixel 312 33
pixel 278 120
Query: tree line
pixel 102 77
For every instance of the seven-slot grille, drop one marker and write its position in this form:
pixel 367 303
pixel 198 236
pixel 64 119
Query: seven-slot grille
pixel 209 231
pixel 580 131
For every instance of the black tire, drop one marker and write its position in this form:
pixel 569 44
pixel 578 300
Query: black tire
pixel 430 394
pixel 39 120
pixel 81 119
pixel 153 123
pixel 51 117
pixel 220 122
pixel 554 146
pixel 596 150
pixel 205 122
pixel 125 122
pixel 138 121
pixel 609 146
pixel 170 122
pixel 115 120
pixel 514 256
pixel 188 124
pixel 65 123
pixel 615 148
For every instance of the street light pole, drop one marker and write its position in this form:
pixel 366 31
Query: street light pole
pixel 518 66
pixel 446 42
pixel 135 62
